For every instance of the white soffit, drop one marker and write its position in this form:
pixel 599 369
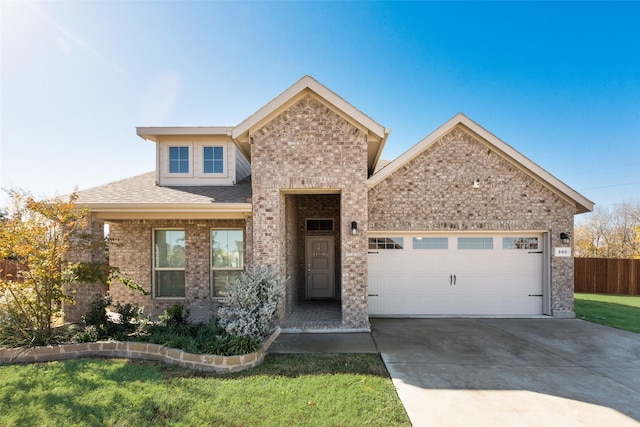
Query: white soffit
pixel 152 133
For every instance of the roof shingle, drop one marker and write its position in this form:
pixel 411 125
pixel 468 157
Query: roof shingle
pixel 143 189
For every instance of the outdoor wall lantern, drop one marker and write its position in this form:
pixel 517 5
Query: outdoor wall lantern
pixel 354 228
pixel 565 238
pixel 476 183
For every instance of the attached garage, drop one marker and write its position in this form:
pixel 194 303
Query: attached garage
pixel 484 274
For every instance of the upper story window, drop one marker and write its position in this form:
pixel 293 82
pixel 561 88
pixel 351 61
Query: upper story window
pixel 213 159
pixel 178 159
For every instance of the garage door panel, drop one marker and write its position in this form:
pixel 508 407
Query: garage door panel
pixel 455 281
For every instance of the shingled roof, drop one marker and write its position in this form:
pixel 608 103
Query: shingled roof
pixel 140 193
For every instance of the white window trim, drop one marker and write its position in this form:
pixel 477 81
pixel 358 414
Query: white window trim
pixel 199 159
pixel 154 289
pixel 213 269
pixel 189 174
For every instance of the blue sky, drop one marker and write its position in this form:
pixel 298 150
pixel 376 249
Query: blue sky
pixel 560 82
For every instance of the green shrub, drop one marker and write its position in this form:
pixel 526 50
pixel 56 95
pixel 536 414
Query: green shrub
pixel 252 302
pixel 200 338
pixel 89 333
pixel 97 314
pixel 175 316
pixel 128 318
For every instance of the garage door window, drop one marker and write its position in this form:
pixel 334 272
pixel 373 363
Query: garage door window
pixel 475 242
pixel 430 243
pixel 386 243
pixel 519 243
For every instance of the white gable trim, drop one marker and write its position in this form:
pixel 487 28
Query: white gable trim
pixel 308 82
pixel 582 203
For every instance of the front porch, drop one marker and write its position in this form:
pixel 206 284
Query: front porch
pixel 314 316
pixel 313 262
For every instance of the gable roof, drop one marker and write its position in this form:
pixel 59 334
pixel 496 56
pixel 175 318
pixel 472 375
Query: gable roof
pixel 582 204
pixel 377 134
pixel 140 197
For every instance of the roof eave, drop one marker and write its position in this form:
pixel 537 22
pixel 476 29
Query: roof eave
pixel 152 133
pixel 169 210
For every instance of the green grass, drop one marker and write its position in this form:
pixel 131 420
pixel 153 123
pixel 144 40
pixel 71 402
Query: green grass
pixel 618 311
pixel 310 390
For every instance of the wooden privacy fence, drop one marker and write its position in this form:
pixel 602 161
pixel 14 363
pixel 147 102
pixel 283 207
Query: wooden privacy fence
pixel 8 269
pixel 607 276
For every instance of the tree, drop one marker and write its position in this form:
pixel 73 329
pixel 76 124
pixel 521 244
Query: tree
pixel 37 233
pixel 610 233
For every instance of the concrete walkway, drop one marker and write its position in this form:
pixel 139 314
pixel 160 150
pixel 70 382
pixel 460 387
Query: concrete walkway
pixel 323 343
pixel 499 372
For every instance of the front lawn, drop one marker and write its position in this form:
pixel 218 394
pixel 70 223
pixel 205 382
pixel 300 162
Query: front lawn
pixel 310 390
pixel 618 311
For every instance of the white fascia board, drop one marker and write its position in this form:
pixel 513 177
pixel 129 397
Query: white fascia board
pixel 308 82
pixel 125 211
pixel 151 133
pixel 170 207
pixel 379 149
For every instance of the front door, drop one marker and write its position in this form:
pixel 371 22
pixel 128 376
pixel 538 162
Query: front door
pixel 320 267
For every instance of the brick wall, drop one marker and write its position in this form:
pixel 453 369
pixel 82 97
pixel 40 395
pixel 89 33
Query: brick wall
pixel 433 192
pixel 84 293
pixel 132 253
pixel 309 146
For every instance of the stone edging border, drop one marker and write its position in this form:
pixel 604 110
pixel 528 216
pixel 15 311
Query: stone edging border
pixel 138 350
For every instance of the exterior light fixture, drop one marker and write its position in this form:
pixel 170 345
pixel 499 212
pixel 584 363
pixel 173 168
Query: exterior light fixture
pixel 476 183
pixel 565 238
pixel 354 228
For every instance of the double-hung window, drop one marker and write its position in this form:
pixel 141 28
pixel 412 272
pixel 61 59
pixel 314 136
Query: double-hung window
pixel 227 259
pixel 213 159
pixel 169 263
pixel 179 159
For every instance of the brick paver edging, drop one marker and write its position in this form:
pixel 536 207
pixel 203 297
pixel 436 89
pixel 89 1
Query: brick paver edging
pixel 138 350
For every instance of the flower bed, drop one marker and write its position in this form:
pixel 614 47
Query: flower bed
pixel 137 350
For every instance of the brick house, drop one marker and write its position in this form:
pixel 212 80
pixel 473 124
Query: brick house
pixel 460 224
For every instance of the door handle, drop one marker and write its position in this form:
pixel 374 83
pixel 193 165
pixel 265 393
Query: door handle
pixel 454 279
pixel 450 280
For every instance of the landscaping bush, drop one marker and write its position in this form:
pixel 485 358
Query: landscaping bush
pixel 127 319
pixel 175 316
pixel 251 303
pixel 97 314
pixel 208 338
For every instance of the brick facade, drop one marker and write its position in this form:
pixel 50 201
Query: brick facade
pixel 433 192
pixel 132 253
pixel 309 160
pixel 323 152
pixel 84 293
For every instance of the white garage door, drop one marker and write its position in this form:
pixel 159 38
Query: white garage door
pixel 463 274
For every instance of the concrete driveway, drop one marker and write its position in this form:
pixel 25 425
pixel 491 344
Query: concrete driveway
pixel 512 372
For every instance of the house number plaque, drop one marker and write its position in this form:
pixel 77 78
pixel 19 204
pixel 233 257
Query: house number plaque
pixel 562 252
